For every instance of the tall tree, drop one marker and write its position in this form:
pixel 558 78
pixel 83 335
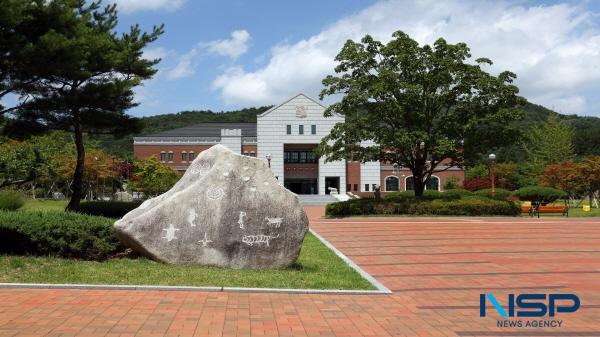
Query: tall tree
pixel 84 74
pixel 548 143
pixel 419 106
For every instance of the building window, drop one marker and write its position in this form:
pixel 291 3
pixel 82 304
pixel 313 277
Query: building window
pixel 299 157
pixel 252 154
pixel 300 129
pixel 392 183
pixel 183 156
pixel 191 156
pixel 170 156
pixel 366 187
pixel 163 156
pixel 313 129
pixel 409 183
pixel 288 129
pixel 433 183
pixel 374 186
pixel 355 187
pixel 349 187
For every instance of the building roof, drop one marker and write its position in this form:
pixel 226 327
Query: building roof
pixel 207 130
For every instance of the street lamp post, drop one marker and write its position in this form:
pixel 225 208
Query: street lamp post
pixel 492 162
pixel 269 159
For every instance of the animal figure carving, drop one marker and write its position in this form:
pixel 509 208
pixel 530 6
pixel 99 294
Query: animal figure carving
pixel 274 222
pixel 258 239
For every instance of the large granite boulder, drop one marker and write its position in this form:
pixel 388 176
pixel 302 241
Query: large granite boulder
pixel 227 210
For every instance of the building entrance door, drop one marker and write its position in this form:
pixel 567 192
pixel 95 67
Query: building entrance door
pixel 333 182
pixel 302 186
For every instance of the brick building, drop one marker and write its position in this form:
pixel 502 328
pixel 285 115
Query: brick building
pixel 287 134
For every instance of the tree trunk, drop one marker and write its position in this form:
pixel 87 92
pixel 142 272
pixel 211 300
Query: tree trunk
pixel 78 174
pixel 418 183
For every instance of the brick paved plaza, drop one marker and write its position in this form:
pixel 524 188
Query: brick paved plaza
pixel 436 268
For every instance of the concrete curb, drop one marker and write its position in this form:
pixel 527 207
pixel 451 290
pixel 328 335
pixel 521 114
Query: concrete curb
pixel 183 288
pixel 381 289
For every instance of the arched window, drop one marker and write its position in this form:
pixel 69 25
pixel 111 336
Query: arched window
pixel 409 182
pixel 191 156
pixel 433 184
pixel 392 183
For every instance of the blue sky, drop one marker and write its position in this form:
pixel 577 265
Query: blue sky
pixel 224 55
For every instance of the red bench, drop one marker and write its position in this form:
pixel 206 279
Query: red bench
pixel 563 210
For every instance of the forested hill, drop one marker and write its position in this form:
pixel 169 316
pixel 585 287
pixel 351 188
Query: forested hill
pixel 159 123
pixel 586 135
pixel 124 147
pixel 586 130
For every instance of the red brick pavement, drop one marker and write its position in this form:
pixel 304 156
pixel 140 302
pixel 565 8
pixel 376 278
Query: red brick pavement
pixel 437 267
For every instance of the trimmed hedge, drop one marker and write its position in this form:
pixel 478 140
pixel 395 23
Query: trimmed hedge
pixel 501 193
pixel 539 194
pixel 427 195
pixel 111 209
pixel 470 206
pixel 11 200
pixel 473 206
pixel 57 233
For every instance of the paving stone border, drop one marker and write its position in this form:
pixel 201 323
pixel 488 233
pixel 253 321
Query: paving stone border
pixel 381 289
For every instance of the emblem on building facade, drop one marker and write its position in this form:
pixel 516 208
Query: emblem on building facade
pixel 300 111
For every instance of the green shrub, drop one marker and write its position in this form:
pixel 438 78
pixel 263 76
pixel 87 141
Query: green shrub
pixel 539 194
pixel 11 200
pixel 352 207
pixel 399 196
pixel 427 195
pixel 62 234
pixel 457 193
pixel 111 209
pixel 468 206
pixel 451 183
pixel 501 193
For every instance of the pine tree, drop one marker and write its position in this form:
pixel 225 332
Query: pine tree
pixel 80 75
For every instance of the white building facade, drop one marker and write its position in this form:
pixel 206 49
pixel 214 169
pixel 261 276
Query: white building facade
pixel 286 136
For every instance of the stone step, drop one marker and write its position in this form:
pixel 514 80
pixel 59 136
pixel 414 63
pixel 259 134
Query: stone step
pixel 312 199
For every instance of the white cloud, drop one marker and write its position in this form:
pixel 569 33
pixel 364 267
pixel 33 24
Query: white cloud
pixel 186 66
pixel 155 53
pixel 554 50
pixel 234 47
pixel 129 6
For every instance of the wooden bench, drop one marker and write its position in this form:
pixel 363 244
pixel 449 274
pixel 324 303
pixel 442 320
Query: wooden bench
pixel 563 210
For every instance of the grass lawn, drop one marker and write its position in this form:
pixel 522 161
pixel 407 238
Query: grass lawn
pixel 44 205
pixel 317 268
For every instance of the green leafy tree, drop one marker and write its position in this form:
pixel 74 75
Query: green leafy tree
pixel 548 143
pixel 153 177
pixel 420 106
pixel 35 161
pixel 84 74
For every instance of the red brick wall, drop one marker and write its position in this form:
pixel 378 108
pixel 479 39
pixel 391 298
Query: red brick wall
pixel 353 176
pixel 402 174
pixel 147 151
pixel 301 170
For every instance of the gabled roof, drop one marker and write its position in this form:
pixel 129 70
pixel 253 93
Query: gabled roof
pixel 287 101
pixel 207 130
